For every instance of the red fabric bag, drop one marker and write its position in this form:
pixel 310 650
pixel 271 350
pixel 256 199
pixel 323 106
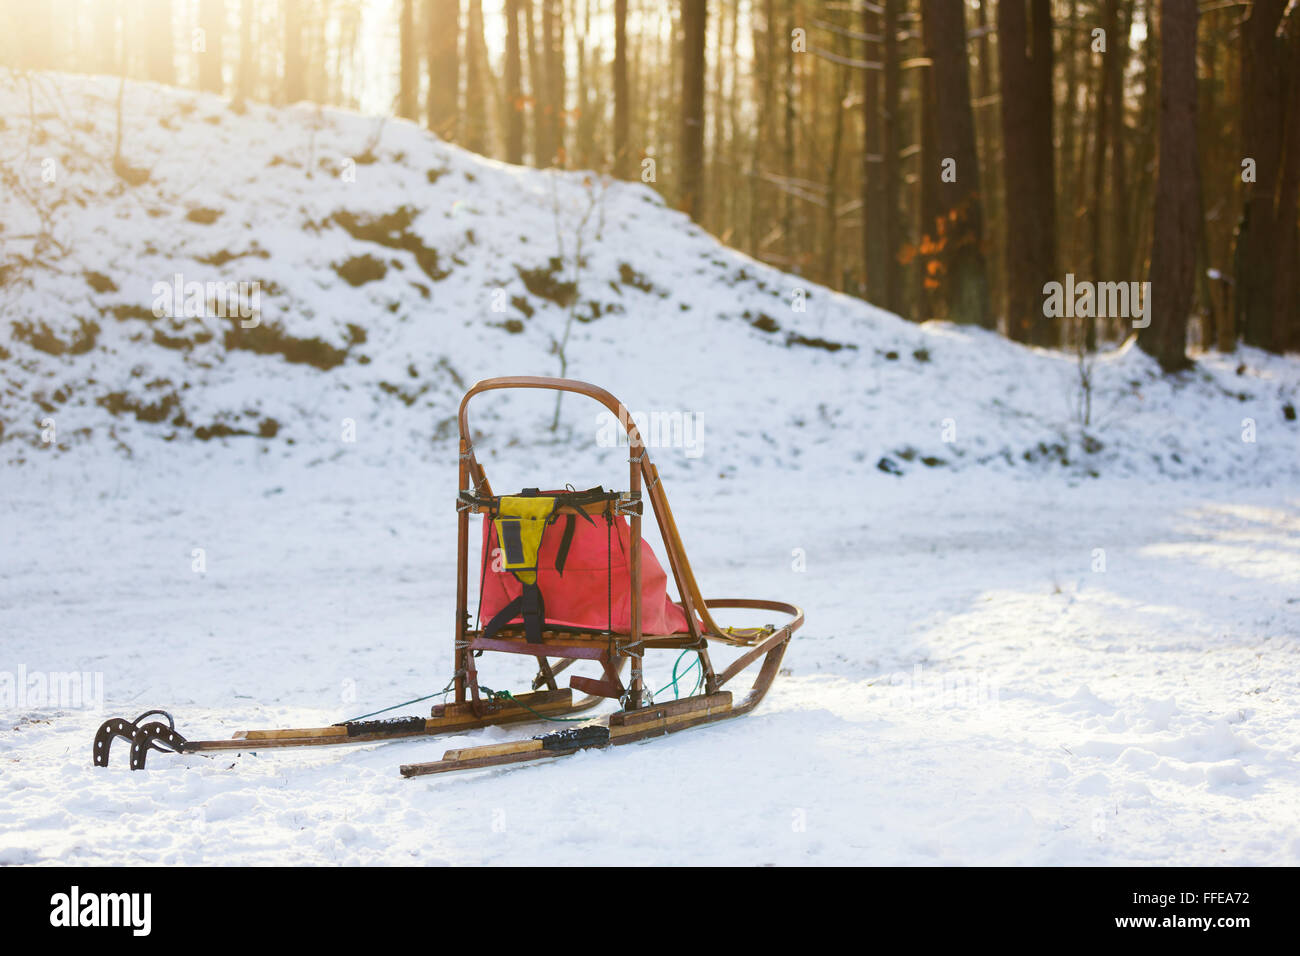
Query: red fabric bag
pixel 594 591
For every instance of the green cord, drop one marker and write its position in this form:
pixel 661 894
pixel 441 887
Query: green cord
pixel 676 678
pixel 506 695
pixel 394 707
pixel 511 697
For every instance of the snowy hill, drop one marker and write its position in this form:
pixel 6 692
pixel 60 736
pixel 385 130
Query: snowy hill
pixel 391 270
pixel 1006 660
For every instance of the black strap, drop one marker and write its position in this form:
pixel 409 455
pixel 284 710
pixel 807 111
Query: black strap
pixel 502 618
pixel 530 606
pixel 573 498
pixel 562 554
pixel 533 609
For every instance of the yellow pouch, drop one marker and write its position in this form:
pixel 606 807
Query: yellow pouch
pixel 519 525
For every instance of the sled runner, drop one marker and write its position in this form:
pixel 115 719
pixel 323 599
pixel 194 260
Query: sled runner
pixel 564 577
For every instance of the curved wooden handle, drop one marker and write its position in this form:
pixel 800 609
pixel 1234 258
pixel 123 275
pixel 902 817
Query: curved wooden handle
pixel 554 384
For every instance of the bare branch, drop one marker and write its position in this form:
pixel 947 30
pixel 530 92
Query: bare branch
pixel 845 60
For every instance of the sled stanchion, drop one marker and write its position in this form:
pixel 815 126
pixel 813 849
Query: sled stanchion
pixel 550 589
pixel 636 454
pixel 459 650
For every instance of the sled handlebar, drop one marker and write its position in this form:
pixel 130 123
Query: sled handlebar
pixel 638 457
pixel 619 410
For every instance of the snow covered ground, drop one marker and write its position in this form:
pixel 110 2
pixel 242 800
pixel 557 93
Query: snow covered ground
pixel 967 688
pixel 1029 639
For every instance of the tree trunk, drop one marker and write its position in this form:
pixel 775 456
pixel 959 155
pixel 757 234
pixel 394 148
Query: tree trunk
pixel 536 82
pixel 514 105
pixel 965 287
pixel 1117 58
pixel 443 36
pixel 989 141
pixel 829 258
pixel 764 41
pixel 1070 199
pixel 408 93
pixel 293 65
pixel 1106 96
pixel 1177 213
pixel 930 220
pixel 316 54
pixel 475 82
pixel 583 134
pixel 1263 122
pixel 712 212
pixel 246 75
pixel 559 84
pixel 547 139
pixel 691 155
pixel 1025 65
pixel 788 140
pixel 159 45
pixel 622 159
pixel 1286 293
pixel 212 21
pixel 890 142
pixel 1140 223
pixel 874 197
pixel 550 139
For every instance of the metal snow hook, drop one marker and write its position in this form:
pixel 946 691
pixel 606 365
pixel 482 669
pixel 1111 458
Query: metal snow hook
pixel 143 737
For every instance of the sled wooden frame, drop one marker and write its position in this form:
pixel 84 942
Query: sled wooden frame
pixel 639 717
